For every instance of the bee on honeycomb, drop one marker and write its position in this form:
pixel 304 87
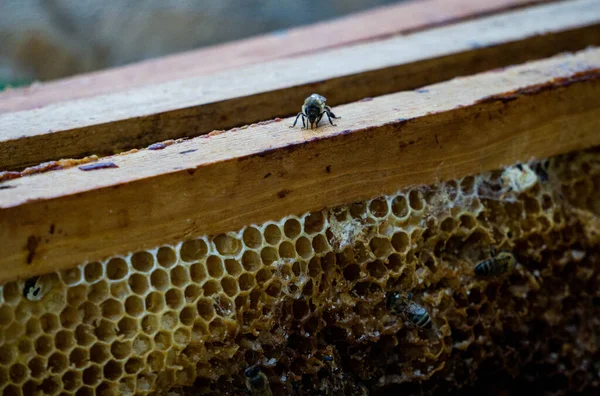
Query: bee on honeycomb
pixel 314 108
pixel 404 305
pixel 257 382
pixel 497 265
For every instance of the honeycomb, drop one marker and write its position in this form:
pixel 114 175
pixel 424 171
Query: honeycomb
pixel 304 299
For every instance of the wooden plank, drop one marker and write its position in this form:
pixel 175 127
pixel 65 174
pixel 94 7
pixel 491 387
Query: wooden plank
pixel 190 107
pixel 225 181
pixel 364 26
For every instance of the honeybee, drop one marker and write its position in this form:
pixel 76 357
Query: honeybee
pixel 313 108
pixel 498 264
pixel 403 305
pixel 257 382
pixel 35 288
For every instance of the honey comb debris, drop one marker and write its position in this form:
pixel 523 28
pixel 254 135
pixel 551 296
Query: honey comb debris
pixel 305 299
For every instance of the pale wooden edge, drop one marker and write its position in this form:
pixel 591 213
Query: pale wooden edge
pixel 144 116
pixel 364 26
pixel 61 219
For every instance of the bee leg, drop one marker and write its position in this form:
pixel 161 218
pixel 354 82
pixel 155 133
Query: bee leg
pixel 318 119
pixel 296 120
pixel 329 114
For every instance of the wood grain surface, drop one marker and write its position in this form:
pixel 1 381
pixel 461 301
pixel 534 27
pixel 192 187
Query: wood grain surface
pixel 221 182
pixel 192 106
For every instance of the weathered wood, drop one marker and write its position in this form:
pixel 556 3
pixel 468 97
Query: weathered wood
pixel 364 26
pixel 190 107
pixel 224 181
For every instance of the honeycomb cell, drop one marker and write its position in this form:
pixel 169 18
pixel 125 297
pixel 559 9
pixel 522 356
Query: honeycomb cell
pixel 262 276
pixel 71 380
pixel 206 309
pixel 92 375
pixel 415 200
pixel 57 363
pixel 93 272
pixel 182 336
pixel 134 306
pixel 287 250
pixel 17 373
pixel 43 347
pixel 210 288
pixel 246 281
pixel 214 267
pixel 6 315
pixel 320 244
pixel 139 284
pixel 11 293
pixel 142 261
pixel 142 345
pixel 116 269
pixel 98 292
pixel 381 247
pixel 120 290
pixel 25 346
pixel 105 330
pixel 127 327
pixel 378 208
pixel 71 276
pixel 187 316
pixel 314 223
pixel 162 340
pixel 467 185
pixel 251 261
pixel 179 276
pixel 155 302
pixel 166 256
pixel 120 349
pixel 229 286
pixel 79 357
pixel 252 238
pixel 304 247
pixel 150 324
pixel 37 367
pixel 198 272
pixel 467 221
pixel 174 299
pixel 159 280
pixel 112 309
pixel 272 234
pixel 193 292
pixel 169 320
pixel 400 242
pixel 292 228
pixel 227 245
pixel 400 207
pixel 64 340
pixel 193 250
pixel 268 256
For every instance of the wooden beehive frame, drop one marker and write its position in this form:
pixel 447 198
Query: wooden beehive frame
pixel 60 219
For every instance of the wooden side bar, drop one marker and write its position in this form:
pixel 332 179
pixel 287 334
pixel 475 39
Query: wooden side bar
pixel 224 181
pixel 197 105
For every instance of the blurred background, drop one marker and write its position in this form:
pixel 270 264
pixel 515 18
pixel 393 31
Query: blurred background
pixel 48 39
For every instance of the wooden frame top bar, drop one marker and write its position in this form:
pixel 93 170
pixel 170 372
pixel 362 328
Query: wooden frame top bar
pixel 223 182
pixel 192 106
pixel 364 26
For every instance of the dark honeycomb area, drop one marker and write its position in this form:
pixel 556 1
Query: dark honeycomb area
pixel 304 298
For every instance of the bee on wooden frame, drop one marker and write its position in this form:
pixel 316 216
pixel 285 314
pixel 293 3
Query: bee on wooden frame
pixel 500 263
pixel 257 382
pixel 405 306
pixel 313 109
